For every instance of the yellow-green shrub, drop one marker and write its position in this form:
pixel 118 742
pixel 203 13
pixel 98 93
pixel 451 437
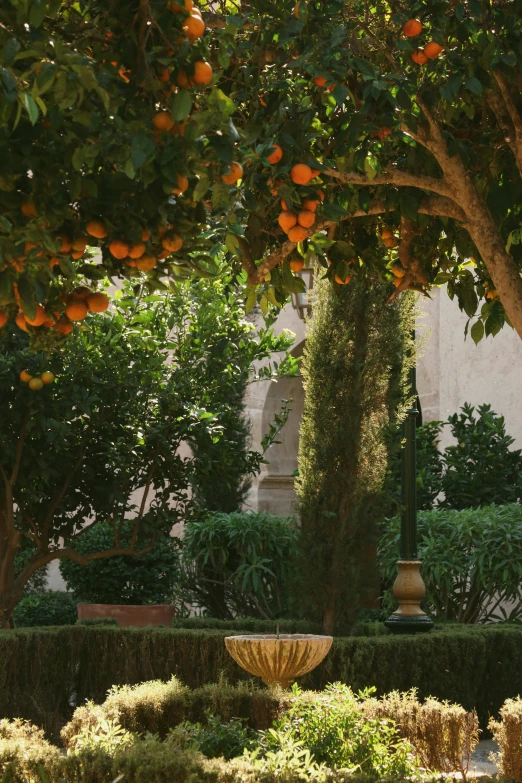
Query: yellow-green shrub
pixel 508 733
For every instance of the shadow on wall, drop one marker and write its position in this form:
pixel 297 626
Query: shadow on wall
pixel 276 483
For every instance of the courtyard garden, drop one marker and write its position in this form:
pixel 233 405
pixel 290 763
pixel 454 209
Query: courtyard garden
pixel 173 179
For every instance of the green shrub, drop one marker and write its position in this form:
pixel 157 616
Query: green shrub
pixel 148 579
pixel 239 564
pixel 333 728
pixel 247 625
pixel 215 737
pixel 507 732
pixel 24 752
pixel 471 561
pixel 40 609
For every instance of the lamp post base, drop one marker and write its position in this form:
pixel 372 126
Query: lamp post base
pixel 409 590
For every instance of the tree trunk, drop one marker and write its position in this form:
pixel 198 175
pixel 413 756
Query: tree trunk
pixel 10 593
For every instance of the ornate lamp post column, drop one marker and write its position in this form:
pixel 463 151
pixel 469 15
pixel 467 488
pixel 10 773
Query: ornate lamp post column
pixel 409 587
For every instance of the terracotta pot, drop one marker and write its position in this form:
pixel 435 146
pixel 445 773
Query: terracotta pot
pixel 160 614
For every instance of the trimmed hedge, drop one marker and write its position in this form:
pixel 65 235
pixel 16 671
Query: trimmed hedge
pixel 46 673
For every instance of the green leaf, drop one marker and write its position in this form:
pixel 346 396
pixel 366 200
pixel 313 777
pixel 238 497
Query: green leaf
pixel 333 211
pixel 27 297
pixel 202 187
pixel 232 244
pixel 218 100
pixel 11 49
pixel 477 331
pixel 473 85
pixel 409 205
pixel 369 168
pixel 31 107
pixel 181 105
pixel 340 93
pixel 363 66
pixel 130 171
pixel 251 298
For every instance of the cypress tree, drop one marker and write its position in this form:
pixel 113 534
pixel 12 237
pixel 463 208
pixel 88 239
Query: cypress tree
pixel 355 382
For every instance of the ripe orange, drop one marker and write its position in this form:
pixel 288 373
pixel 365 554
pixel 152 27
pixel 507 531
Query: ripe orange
pixel 398 270
pixel 39 318
pixel 82 292
pixel 419 57
pixel 320 193
pixel 183 184
pixel 390 241
pixel 76 310
pixel 21 322
pixel 28 246
pixel 53 261
pixel 28 209
pixel 172 243
pixel 146 263
pixel 284 205
pixel 297 234
pixel 202 72
pixel 296 264
pixel 164 75
pixel 96 228
pixel 79 243
pixel 65 243
pixel 306 218
pixel 287 220
pixel 341 281
pixel 194 26
pixel 119 249
pixel 3 318
pixel 386 233
pixel 301 174
pixel 97 302
pixel 137 250
pixel 412 28
pixel 145 235
pixel 236 172
pixel 310 204
pixel 183 80
pixel 188 5
pixel 296 9
pixel 162 121
pixel 47 377
pixel 25 376
pixel 276 155
pixel 320 81
pixel 64 326
pixel 35 384
pixel 432 50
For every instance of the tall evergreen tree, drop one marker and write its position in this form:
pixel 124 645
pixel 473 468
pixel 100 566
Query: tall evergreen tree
pixel 354 379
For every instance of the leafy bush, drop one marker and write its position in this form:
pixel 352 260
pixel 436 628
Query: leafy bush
pixel 429 464
pixel 40 609
pixel 471 561
pixel 507 732
pixel 332 727
pixel 215 737
pixel 24 752
pixel 248 625
pixel 480 469
pixel 239 564
pixel 148 579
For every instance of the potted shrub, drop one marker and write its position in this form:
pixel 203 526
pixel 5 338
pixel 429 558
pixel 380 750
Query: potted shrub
pixel 134 590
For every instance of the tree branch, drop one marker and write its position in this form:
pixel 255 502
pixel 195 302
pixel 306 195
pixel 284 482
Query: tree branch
pixel 393 177
pixel 18 455
pixel 510 105
pixel 512 136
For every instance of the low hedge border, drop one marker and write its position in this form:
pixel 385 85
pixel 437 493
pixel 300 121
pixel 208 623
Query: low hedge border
pixel 46 673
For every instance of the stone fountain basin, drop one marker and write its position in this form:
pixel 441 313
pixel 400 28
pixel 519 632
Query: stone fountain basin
pixel 278 659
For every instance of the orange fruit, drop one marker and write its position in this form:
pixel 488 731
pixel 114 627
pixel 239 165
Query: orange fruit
pixel 79 243
pixel 119 249
pixel 296 9
pixel 301 174
pixel 145 235
pixel 183 80
pixel 64 326
pixel 287 220
pixel 398 270
pixel 202 72
pixel 276 155
pixel 432 50
pixel 188 5
pixel 320 193
pixel 130 262
pixel 3 318
pixel 297 234
pixel 390 241
pixel 320 81
pixel 310 204
pixel 235 173
pixel 419 57
pixel 21 322
pixel 194 26
pixel 386 233
pixel 146 263
pixel 164 75
pixel 137 250
pixel 54 261
pixel 306 218
pixel 28 209
pixel 39 317
pixel 47 377
pixel 285 206
pixel 76 310
pixel 35 384
pixel 65 243
pixel 183 184
pixel 97 302
pixel 172 243
pixel 25 377
pixel 28 246
pixel 341 281
pixel 412 28
pixel 96 228
pixel 296 264
pixel 82 292
pixel 162 121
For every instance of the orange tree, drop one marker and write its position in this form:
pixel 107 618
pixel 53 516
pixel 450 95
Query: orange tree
pixel 403 115
pixel 108 127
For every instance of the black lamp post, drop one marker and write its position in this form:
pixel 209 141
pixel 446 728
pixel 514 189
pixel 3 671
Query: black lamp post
pixel 409 587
